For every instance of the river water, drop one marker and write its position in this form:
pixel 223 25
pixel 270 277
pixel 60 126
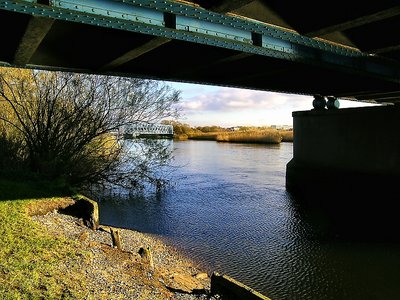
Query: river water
pixel 230 211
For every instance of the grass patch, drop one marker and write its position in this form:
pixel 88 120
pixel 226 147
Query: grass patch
pixel 30 258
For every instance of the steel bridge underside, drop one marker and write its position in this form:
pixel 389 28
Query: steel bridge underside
pixel 222 43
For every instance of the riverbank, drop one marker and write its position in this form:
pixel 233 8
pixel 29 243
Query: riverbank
pixel 48 255
pixel 116 274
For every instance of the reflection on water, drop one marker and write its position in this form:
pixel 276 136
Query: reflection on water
pixel 229 210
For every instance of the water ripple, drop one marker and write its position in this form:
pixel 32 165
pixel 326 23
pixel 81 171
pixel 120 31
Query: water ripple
pixel 231 212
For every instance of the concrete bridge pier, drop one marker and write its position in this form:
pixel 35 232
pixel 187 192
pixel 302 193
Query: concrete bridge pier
pixel 346 164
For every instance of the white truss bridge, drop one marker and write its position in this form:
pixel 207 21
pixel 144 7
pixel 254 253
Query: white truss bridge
pixel 142 129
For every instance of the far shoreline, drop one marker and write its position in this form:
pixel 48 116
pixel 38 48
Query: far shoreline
pixel 273 134
pixel 245 137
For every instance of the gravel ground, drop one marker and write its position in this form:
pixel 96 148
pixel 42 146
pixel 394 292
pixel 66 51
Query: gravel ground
pixel 114 274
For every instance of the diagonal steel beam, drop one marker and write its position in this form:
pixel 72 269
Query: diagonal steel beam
pixel 385 49
pixel 264 74
pixel 35 32
pixel 135 53
pixel 370 96
pixel 232 58
pixel 228 5
pixel 393 94
pixel 381 15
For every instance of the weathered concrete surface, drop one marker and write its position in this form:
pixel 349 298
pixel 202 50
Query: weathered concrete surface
pixel 184 283
pixel 347 163
pixel 232 289
pixel 86 209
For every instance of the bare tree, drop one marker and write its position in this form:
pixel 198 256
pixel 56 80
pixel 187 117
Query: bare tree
pixel 68 124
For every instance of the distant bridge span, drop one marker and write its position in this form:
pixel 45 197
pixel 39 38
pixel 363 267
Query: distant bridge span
pixel 144 129
pixel 286 46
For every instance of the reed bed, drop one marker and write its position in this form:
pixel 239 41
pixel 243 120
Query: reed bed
pixel 287 135
pixel 269 136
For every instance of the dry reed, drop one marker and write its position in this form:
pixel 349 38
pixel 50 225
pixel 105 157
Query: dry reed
pixel 287 135
pixel 269 136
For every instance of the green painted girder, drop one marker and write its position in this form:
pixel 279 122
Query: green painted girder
pixel 193 24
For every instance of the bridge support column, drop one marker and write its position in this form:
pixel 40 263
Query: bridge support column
pixel 347 163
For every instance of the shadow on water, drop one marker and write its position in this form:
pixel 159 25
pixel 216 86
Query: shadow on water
pixel 142 211
pixel 369 217
pixel 345 256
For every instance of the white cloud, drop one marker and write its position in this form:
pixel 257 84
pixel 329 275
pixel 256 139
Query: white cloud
pixel 211 105
pixel 230 99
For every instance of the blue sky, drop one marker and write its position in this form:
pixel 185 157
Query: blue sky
pixel 212 105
